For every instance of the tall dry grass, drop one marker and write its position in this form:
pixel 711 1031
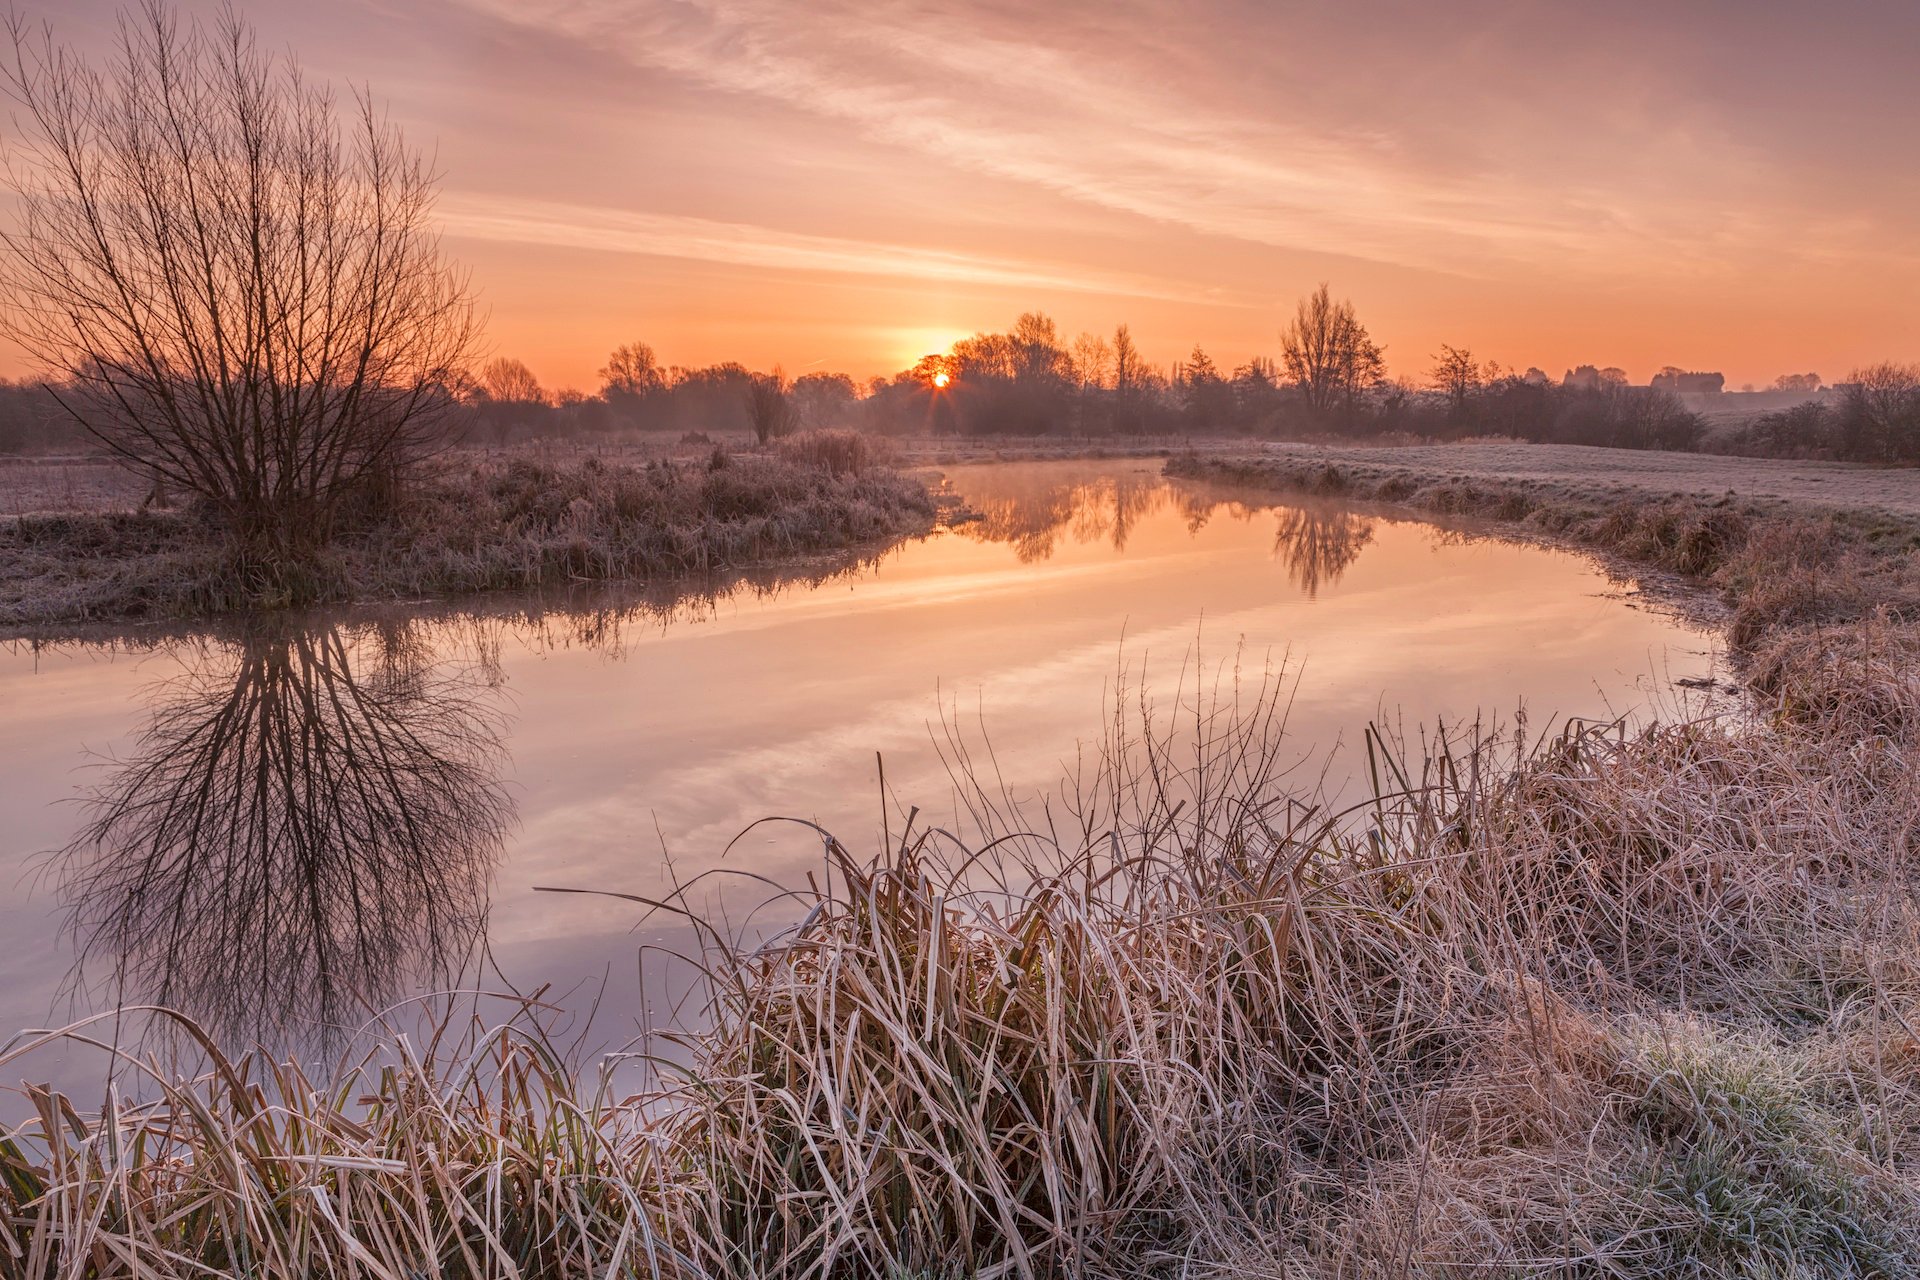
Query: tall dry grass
pixel 1622 1002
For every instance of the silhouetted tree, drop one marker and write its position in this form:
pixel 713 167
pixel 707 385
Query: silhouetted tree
pixel 824 399
pixel 1206 398
pixel 1458 376
pixel 508 381
pixel 769 408
pixel 1328 353
pixel 631 377
pixel 1880 413
pixel 240 297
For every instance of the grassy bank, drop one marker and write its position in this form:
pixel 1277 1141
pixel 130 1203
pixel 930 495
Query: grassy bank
pixel 1779 563
pixel 474 524
pixel 1620 1002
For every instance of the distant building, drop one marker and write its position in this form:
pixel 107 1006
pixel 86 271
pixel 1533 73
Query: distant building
pixel 1686 381
pixel 1589 378
pixel 1585 378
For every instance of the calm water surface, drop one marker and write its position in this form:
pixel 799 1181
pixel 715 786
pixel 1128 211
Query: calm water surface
pixel 280 825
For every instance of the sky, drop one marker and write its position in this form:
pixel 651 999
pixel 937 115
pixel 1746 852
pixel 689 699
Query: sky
pixel 847 185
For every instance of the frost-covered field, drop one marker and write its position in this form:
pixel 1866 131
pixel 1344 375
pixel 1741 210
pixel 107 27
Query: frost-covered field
pixel 1585 470
pixel 43 486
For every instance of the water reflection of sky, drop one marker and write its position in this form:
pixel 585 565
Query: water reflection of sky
pixel 585 750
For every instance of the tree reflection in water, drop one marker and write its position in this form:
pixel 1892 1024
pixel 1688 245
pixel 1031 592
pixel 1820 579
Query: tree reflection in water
pixel 308 822
pixel 1319 545
pixel 1033 508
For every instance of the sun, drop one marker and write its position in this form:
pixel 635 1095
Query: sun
pixel 942 379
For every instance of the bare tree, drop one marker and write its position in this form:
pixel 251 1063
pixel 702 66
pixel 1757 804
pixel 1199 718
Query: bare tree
pixel 823 399
pixel 769 407
pixel 1459 376
pixel 242 293
pixel 1091 357
pixel 1881 412
pixel 631 375
pixel 509 381
pixel 1129 370
pixel 1327 351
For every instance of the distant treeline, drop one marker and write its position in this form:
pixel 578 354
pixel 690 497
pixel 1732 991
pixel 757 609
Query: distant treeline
pixel 32 421
pixel 1873 417
pixel 1329 379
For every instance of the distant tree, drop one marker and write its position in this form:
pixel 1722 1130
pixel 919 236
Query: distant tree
pixel 1256 392
pixel 1129 380
pixel 769 407
pixel 715 397
pixel 1019 382
pixel 1092 361
pixel 1328 352
pixel 1458 376
pixel 508 381
pixel 1881 413
pixel 630 376
pixel 240 295
pixel 1206 398
pixel 32 421
pixel 1797 382
pixel 1589 378
pixel 1128 367
pixel 824 399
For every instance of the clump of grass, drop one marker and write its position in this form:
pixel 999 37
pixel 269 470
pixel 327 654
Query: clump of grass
pixel 837 452
pixel 1851 683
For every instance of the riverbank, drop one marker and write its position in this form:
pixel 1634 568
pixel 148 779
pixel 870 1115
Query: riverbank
pixel 1794 545
pixel 473 523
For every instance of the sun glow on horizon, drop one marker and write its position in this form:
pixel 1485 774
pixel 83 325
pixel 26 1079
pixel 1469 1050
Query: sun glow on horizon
pixel 942 379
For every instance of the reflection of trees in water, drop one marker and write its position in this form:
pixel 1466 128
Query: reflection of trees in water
pixel 1033 509
pixel 308 821
pixel 1319 545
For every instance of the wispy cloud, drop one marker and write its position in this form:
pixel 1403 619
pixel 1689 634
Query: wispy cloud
pixel 521 221
pixel 1018 96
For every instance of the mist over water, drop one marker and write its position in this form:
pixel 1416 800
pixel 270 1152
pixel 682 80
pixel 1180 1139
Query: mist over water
pixel 284 827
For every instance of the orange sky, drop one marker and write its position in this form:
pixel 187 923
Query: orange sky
pixel 848 184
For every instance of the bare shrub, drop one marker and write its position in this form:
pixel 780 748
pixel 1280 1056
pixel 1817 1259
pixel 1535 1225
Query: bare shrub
pixel 770 410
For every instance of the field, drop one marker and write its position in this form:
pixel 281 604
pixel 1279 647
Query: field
pixel 65 485
pixel 1593 473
